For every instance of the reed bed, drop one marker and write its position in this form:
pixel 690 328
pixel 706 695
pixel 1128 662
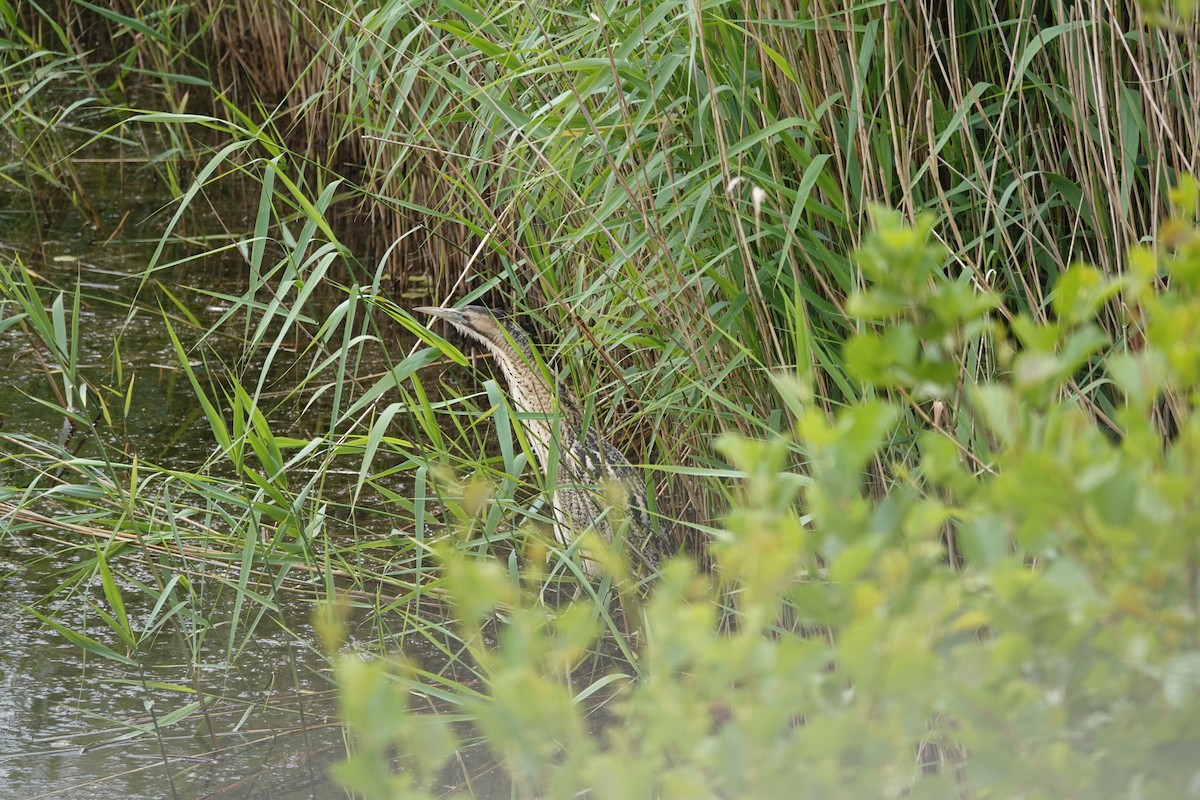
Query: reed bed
pixel 677 198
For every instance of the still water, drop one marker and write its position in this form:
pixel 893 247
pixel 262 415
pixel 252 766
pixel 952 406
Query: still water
pixel 229 703
pixel 77 726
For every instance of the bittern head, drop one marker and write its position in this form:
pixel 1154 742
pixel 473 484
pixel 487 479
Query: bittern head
pixel 495 331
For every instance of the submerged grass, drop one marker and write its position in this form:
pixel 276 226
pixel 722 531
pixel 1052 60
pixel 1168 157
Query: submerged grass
pixel 669 193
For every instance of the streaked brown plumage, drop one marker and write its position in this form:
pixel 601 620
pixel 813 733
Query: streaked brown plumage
pixel 588 464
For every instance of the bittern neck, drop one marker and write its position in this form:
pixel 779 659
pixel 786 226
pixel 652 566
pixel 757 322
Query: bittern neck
pixel 528 385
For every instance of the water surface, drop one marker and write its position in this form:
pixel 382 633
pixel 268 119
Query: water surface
pixel 231 702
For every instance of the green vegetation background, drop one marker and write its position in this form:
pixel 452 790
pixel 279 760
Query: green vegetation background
pixel 942 474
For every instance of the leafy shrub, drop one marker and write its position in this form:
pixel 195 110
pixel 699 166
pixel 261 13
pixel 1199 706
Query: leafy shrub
pixel 850 655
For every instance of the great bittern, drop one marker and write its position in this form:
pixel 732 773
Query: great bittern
pixel 590 470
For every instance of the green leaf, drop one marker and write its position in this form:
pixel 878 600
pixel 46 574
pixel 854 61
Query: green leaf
pixel 1080 293
pixel 86 642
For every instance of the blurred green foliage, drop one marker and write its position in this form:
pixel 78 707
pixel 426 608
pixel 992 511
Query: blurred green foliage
pixel 856 660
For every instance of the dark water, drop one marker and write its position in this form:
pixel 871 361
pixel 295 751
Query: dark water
pixel 205 709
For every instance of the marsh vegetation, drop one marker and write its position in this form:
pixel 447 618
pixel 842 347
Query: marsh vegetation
pixel 931 470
